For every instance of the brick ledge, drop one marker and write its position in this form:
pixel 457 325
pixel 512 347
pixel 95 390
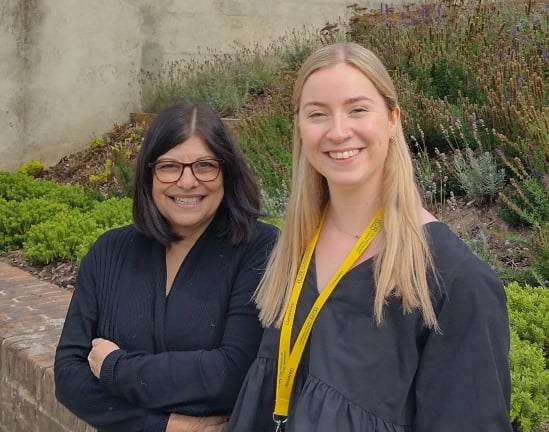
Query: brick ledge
pixel 32 313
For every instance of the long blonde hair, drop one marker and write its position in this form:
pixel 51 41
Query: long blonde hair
pixel 401 266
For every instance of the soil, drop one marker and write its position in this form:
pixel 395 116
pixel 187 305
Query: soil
pixel 465 219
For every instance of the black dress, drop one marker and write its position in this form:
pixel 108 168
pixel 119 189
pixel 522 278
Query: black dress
pixel 400 376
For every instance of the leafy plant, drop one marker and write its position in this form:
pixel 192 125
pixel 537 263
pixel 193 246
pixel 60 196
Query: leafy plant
pixel 224 81
pixel 32 168
pixel 97 143
pixel 530 378
pixel 296 47
pixel 431 176
pixel 17 217
pixel 529 357
pixel 67 238
pixel 529 197
pixel 124 173
pixel 476 171
pixel 265 139
pixel 478 174
pixel 52 221
pixel 112 212
pixel 19 187
pixel 539 258
pixel 529 314
pixel 103 177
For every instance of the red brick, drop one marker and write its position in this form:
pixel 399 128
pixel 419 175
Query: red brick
pixel 32 313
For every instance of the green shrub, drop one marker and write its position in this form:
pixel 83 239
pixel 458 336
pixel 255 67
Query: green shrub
pixel 527 195
pixel 112 212
pixel 526 201
pixel 266 139
pixel 530 386
pixel 17 217
pixel 528 309
pixel 97 144
pixel 296 47
pixel 67 237
pixel 449 80
pixel 124 173
pixel 509 197
pixel 224 80
pixel 478 174
pixel 432 175
pixel 529 314
pixel 539 257
pixel 72 196
pixel 32 168
pixel 474 168
pixel 20 187
pixel 52 221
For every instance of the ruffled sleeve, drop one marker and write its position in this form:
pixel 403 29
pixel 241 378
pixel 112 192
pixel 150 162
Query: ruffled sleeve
pixel 463 379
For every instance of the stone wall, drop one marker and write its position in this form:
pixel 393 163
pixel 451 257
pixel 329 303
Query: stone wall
pixel 70 69
pixel 32 313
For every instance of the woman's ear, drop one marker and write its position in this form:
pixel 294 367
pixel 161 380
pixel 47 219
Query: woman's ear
pixel 395 116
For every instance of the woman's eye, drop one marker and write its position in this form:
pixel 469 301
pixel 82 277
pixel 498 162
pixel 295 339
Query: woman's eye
pixel 204 165
pixel 358 110
pixel 167 166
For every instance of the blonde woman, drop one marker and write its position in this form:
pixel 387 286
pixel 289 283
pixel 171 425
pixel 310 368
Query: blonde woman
pixel 378 317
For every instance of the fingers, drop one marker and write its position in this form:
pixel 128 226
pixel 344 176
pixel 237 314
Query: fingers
pixel 216 428
pixel 93 365
pixel 219 424
pixel 183 423
pixel 101 348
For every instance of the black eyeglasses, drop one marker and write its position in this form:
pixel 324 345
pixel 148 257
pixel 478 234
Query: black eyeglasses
pixel 204 170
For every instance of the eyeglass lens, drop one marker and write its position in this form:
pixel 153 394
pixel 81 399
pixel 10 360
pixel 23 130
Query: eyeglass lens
pixel 171 171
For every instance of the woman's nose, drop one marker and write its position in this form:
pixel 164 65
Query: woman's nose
pixel 340 130
pixel 187 179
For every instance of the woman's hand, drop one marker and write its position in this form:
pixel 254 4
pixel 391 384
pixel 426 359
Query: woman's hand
pixel 101 348
pixel 183 423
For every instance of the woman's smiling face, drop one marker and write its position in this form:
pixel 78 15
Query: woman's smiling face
pixel 189 205
pixel 345 126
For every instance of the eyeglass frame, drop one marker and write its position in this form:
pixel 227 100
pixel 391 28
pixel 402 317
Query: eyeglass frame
pixel 184 165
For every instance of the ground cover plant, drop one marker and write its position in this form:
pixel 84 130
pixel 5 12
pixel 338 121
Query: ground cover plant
pixel 473 81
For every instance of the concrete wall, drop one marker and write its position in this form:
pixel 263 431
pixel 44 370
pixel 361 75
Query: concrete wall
pixel 69 68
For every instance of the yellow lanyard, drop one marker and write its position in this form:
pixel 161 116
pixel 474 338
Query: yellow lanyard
pixel 288 360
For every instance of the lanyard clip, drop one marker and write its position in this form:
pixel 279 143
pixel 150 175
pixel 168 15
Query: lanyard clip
pixel 280 422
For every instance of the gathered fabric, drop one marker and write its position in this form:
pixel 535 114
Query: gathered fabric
pixel 400 376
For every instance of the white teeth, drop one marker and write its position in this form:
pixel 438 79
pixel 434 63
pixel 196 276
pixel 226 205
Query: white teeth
pixel 187 201
pixel 344 154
